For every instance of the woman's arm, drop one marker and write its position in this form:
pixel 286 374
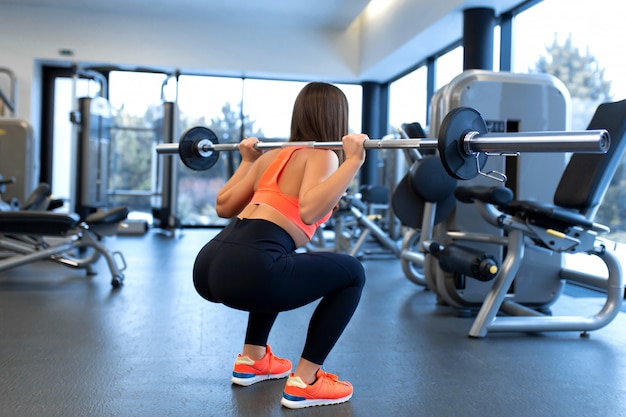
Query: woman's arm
pixel 239 188
pixel 323 183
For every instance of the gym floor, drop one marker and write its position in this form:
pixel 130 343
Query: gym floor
pixel 70 345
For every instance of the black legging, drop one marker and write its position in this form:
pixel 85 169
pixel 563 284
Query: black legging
pixel 251 265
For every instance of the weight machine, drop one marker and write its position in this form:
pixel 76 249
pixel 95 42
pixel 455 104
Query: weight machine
pixel 511 262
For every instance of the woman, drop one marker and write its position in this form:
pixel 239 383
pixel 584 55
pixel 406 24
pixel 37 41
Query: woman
pixel 277 199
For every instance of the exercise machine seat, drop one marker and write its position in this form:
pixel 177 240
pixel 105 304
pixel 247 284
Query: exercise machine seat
pixel 37 222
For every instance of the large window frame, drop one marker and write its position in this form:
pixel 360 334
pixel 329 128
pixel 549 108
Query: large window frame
pixel 200 100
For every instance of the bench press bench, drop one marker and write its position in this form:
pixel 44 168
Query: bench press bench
pixel 32 235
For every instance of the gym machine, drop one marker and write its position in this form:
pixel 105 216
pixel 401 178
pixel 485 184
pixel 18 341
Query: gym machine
pixel 18 155
pixel 517 223
pixel 509 103
pixel 93 119
pixel 165 171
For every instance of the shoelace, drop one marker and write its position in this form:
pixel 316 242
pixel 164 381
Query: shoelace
pixel 269 364
pixel 332 377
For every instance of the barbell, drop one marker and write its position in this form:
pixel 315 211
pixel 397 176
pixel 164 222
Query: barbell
pixel 463 144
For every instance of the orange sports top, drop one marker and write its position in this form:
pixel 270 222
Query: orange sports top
pixel 269 194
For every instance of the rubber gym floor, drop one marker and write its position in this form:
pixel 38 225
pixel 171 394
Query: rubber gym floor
pixel 71 345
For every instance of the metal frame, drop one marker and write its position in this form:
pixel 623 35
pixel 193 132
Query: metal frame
pixel 525 319
pixel 67 249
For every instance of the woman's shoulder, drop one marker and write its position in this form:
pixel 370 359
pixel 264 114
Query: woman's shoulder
pixel 317 152
pixel 318 155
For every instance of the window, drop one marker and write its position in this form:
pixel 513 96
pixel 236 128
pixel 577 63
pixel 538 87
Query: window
pixel 214 102
pixel 448 66
pixel 137 108
pixel 231 107
pixel 354 94
pixel 497 32
pixel 268 104
pixel 581 46
pixel 536 29
pixel 408 99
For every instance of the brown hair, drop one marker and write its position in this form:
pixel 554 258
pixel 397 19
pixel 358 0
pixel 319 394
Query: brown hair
pixel 320 114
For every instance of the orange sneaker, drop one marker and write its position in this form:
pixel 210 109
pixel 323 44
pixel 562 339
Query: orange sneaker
pixel 248 371
pixel 326 390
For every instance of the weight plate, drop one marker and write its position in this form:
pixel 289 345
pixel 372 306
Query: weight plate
pixel 456 160
pixel 188 149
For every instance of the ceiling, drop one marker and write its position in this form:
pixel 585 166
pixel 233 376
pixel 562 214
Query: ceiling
pixel 330 14
pixel 391 47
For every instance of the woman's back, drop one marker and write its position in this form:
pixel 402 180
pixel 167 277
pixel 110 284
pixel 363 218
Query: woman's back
pixel 304 167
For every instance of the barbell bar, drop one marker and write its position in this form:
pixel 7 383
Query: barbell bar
pixel 463 144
